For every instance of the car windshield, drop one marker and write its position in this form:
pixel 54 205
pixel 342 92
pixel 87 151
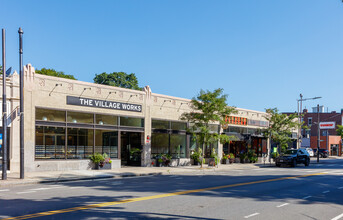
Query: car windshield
pixel 291 151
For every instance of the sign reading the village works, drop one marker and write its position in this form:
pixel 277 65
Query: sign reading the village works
pixel 72 100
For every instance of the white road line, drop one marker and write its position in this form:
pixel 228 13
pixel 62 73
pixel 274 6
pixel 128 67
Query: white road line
pixel 340 187
pixel 307 197
pixel 26 192
pixel 40 189
pixel 4 190
pixel 282 205
pixel 326 191
pixel 338 217
pixel 248 216
pixel 56 187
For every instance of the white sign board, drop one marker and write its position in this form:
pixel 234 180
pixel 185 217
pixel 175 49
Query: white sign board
pixel 327 125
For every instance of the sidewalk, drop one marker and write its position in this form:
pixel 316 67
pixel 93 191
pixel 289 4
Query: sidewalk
pixel 73 175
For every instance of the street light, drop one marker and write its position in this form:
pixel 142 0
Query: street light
pixel 299 114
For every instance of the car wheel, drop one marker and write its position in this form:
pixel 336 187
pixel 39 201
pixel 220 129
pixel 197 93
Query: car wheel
pixel 321 155
pixel 294 163
pixel 307 163
pixel 278 164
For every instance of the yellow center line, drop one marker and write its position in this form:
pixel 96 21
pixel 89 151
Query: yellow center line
pixel 54 212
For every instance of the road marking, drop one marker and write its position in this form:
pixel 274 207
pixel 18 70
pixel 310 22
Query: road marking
pixel 326 191
pixel 40 189
pixel 279 206
pixel 248 216
pixel 105 204
pixel 307 197
pixel 340 187
pixel 338 217
pixel 25 192
pixel 4 190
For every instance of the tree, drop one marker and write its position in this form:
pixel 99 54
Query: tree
pixel 52 72
pixel 280 127
pixel 207 108
pixel 0 69
pixel 340 131
pixel 118 79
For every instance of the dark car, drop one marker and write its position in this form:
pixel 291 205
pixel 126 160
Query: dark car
pixel 322 152
pixel 293 157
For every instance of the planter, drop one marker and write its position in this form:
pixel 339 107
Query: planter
pixel 231 160
pixel 103 166
pixel 237 160
pixel 227 161
pixel 211 162
pixel 107 166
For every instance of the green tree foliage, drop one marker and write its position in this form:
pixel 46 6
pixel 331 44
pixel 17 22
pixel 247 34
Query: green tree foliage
pixel 280 127
pixel 118 79
pixel 207 108
pixel 52 72
pixel 340 130
pixel 0 69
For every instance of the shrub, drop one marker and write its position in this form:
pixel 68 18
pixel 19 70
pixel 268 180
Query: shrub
pixel 97 158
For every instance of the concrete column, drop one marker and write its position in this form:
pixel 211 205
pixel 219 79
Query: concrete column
pixel 146 152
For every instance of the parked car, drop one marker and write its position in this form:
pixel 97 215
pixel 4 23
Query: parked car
pixel 309 150
pixel 322 152
pixel 293 157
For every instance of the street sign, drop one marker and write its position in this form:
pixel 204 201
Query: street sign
pixel 327 125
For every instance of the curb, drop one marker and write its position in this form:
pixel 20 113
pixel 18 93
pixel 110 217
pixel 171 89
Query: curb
pixel 28 182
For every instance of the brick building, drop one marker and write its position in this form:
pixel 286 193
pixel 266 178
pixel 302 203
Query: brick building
pixel 329 138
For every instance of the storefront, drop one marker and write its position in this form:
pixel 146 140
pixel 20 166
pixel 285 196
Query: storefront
pixel 66 121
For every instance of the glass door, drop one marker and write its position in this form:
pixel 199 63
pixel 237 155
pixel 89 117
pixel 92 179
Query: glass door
pixel 131 148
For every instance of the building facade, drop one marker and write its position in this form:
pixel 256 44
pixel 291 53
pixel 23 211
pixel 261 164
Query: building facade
pixel 66 121
pixel 328 137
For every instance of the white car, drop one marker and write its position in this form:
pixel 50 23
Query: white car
pixel 310 151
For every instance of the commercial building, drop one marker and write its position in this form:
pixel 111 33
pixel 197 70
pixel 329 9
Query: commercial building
pixel 328 136
pixel 65 121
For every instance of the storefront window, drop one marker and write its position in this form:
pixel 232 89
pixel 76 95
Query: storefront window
pixel 178 126
pixel 159 124
pixel 80 143
pixel 159 144
pixel 50 115
pixel 78 117
pixel 178 145
pixel 132 122
pixel 106 141
pixel 214 128
pixel 106 120
pixel 50 143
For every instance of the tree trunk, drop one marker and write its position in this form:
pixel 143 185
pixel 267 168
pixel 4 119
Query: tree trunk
pixel 203 154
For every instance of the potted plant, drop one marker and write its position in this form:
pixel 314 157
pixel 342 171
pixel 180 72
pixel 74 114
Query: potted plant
pixel 97 159
pixel 166 159
pixel 196 158
pixel 225 159
pixel 107 163
pixel 232 158
pixel 213 160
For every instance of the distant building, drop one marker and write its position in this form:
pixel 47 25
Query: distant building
pixel 329 138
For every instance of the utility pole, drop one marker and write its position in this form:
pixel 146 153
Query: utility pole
pixel 4 110
pixel 318 135
pixel 20 31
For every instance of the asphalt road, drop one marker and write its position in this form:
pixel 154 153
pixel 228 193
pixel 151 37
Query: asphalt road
pixel 314 192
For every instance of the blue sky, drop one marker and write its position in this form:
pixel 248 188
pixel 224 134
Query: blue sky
pixel 264 53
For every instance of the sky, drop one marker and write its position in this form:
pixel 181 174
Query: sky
pixel 263 53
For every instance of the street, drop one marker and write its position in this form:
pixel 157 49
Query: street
pixel 313 192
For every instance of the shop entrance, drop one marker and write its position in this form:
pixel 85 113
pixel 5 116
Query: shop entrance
pixel 334 150
pixel 131 148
